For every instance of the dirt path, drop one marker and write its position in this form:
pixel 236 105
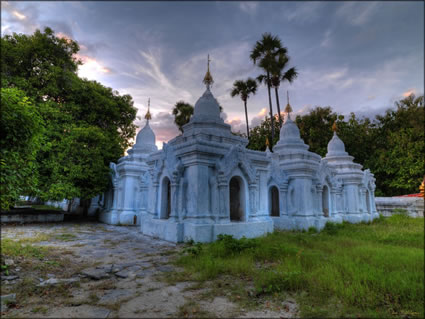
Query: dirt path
pixel 113 271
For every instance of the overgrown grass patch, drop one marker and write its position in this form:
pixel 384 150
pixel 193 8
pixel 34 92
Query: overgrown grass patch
pixel 368 270
pixel 12 248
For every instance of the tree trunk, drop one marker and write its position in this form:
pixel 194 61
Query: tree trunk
pixel 271 108
pixel 278 105
pixel 246 117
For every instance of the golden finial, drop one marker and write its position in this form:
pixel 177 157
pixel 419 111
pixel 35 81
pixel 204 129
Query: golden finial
pixel 288 108
pixel 208 79
pixel 421 188
pixel 267 142
pixel 148 115
pixel 334 127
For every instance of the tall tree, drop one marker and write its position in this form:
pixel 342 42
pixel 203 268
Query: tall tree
pixel 182 112
pixel 264 52
pixel 278 75
pixel 45 67
pixel 244 89
pixel 398 159
pixel 21 128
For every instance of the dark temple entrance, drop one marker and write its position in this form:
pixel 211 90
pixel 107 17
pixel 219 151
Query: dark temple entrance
pixel 237 200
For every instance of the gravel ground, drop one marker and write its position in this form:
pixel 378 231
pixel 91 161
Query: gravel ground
pixel 117 275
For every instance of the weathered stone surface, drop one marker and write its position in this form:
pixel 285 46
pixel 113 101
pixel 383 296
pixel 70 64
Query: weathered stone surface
pixel 154 304
pixel 164 268
pixel 221 307
pixel 12 277
pixel 55 281
pixel 95 273
pixel 107 268
pixel 128 272
pixel 113 296
pixel 144 295
pixel 9 262
pixel 83 311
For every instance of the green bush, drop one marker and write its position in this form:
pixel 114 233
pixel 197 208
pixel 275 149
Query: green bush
pixel 231 246
pixel 332 228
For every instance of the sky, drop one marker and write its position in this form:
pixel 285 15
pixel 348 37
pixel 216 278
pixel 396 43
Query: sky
pixel 356 57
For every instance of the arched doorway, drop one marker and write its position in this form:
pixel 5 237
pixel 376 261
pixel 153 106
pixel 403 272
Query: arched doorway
pixel 237 199
pixel 368 201
pixel 325 201
pixel 274 201
pixel 165 198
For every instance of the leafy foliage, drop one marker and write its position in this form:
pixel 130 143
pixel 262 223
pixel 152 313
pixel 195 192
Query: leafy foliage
pixel 259 134
pixel 398 161
pixel 182 112
pixel 86 125
pixel 21 127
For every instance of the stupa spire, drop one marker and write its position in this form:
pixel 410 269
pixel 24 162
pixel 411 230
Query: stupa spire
pixel 208 79
pixel 148 115
pixel 288 108
pixel 334 127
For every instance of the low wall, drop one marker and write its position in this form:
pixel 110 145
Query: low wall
pixel 31 216
pixel 387 206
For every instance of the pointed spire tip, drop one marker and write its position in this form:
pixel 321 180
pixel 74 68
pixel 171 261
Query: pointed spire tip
pixel 148 115
pixel 208 79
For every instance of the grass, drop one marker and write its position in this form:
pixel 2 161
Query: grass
pixel 37 262
pixel 43 310
pixel 12 248
pixel 362 270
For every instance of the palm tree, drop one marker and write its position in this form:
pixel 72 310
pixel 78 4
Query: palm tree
pixel 264 52
pixel 278 76
pixel 182 112
pixel 244 89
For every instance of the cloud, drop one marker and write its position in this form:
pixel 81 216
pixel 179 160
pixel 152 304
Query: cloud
pixel 59 27
pixel 65 36
pixel 259 117
pixel 19 15
pixel 326 39
pixel 91 68
pixel 237 125
pixel 357 13
pixel 321 79
pixel 249 7
pixel 303 13
pixel 409 92
pixel 20 18
pixel 154 69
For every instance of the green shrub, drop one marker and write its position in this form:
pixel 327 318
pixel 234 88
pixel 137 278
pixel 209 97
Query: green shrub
pixel 232 246
pixel 312 230
pixel 332 228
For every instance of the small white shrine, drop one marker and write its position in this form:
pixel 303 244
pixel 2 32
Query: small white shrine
pixel 205 182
